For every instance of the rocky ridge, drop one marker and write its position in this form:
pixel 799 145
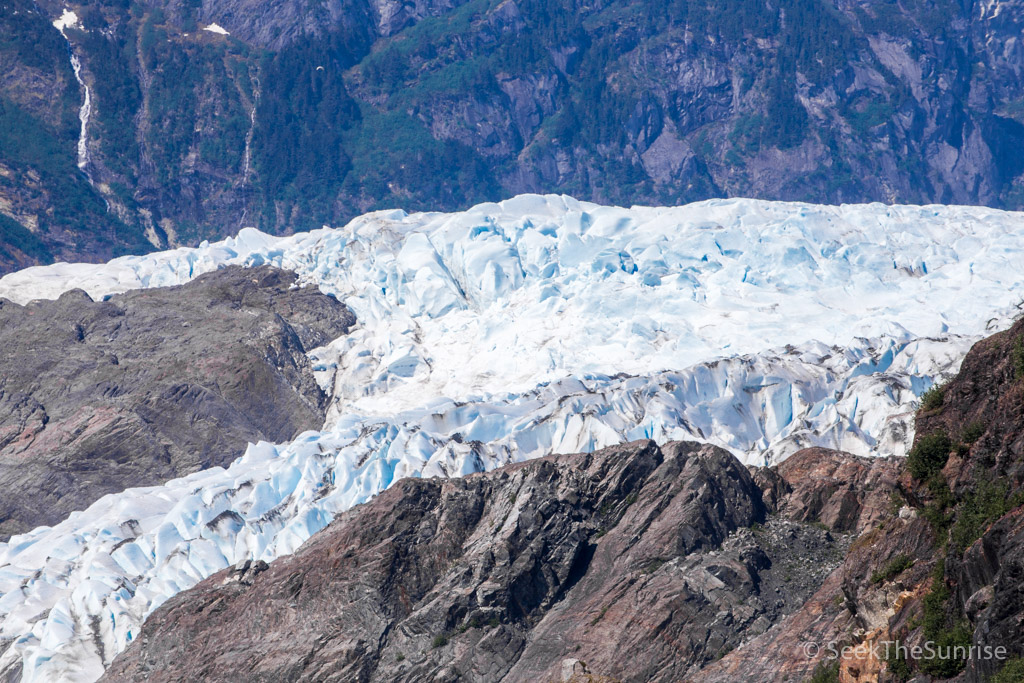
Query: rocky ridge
pixel 634 563
pixel 645 563
pixel 943 564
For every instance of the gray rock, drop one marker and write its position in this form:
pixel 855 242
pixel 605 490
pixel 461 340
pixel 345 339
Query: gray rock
pixel 96 397
pixel 633 563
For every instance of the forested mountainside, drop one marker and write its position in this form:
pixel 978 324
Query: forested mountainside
pixel 310 112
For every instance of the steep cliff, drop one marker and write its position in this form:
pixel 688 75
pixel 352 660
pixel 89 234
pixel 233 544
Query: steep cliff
pixel 310 113
pixel 944 564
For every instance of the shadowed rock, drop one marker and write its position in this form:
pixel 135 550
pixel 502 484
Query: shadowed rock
pixel 956 538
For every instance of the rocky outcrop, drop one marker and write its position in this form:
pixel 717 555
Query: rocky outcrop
pixel 647 563
pixel 942 565
pixel 982 412
pixel 982 409
pixel 99 396
pixel 845 492
pixel 632 563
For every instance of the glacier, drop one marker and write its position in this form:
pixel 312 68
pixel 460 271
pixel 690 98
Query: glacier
pixel 503 297
pixel 540 324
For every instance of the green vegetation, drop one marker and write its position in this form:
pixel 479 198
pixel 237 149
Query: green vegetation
pixel 394 155
pixel 596 103
pixel 896 503
pixel 894 568
pixel 972 432
pixel 440 640
pixel 1012 672
pixel 38 139
pixel 868 115
pixel 117 95
pixel 303 117
pixel 31 147
pixel 937 512
pixel 944 626
pixel 26 34
pixel 825 672
pixel 932 399
pixel 653 566
pixel 1017 357
pixel 929 455
pixel 981 505
pixel 14 235
pixel 897 665
pixel 471 623
pixel 173 103
pixel 27 142
pixel 346 122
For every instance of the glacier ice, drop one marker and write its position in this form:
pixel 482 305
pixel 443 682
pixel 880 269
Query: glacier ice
pixel 506 296
pixel 537 325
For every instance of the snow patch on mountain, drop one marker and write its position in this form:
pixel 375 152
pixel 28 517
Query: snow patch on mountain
pixel 67 19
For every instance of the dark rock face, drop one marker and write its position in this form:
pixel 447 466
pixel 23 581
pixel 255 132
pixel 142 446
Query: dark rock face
pixel 96 397
pixel 983 413
pixel 847 607
pixel 633 563
pixel 645 563
pixel 986 397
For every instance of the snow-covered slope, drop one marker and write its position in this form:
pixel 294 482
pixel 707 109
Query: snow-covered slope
pixel 512 330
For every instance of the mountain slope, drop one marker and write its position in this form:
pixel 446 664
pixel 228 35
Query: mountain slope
pixel 632 563
pixel 958 516
pixel 316 112
pixel 48 208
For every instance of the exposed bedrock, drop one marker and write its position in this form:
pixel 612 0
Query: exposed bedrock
pixel 99 396
pixel 633 563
